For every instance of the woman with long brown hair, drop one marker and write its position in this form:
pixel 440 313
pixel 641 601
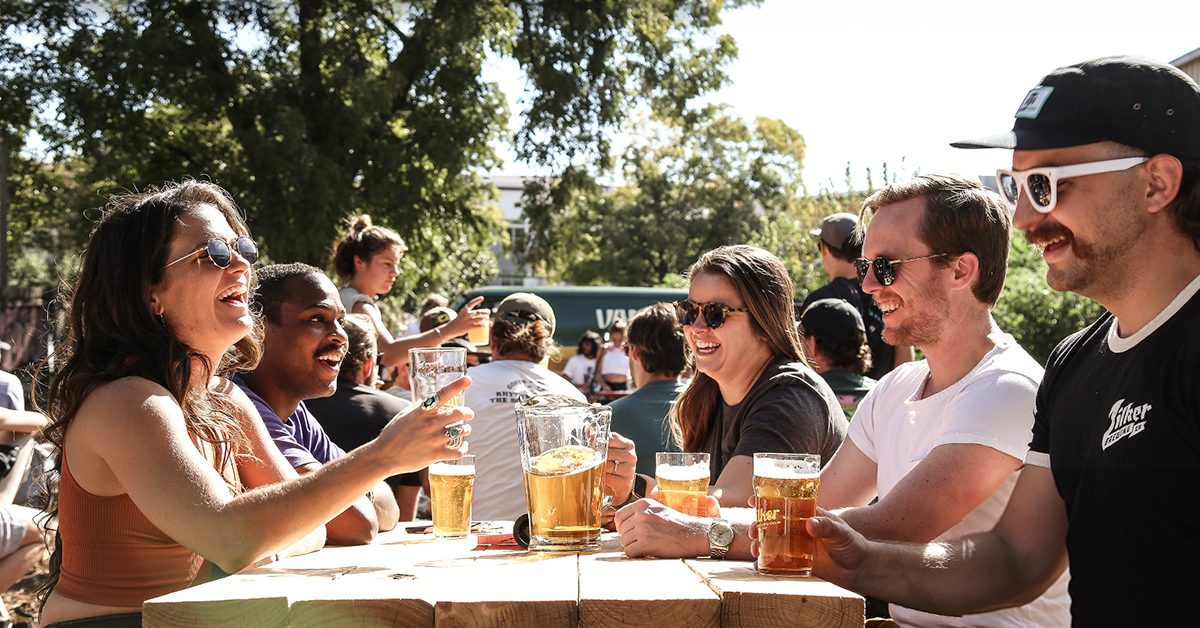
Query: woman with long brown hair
pixel 753 390
pixel 165 468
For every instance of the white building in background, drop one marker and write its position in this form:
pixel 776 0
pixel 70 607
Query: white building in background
pixel 511 272
pixel 1190 64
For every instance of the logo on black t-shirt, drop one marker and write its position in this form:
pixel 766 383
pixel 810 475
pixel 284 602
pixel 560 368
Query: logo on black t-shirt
pixel 1124 420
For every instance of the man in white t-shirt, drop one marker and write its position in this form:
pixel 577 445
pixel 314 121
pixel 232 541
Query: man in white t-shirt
pixel 940 441
pixel 522 333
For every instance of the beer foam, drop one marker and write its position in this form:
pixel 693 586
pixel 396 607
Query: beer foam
pixel 441 468
pixel 566 459
pixel 682 473
pixel 783 471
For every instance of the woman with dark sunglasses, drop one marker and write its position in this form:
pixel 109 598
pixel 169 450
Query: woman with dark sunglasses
pixel 166 471
pixel 753 392
pixel 367 259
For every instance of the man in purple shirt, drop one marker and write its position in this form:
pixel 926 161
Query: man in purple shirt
pixel 302 351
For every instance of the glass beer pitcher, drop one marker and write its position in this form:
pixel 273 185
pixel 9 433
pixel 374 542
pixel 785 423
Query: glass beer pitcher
pixel 564 445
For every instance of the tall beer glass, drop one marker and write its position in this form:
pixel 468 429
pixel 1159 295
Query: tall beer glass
pixel 564 445
pixel 451 485
pixel 785 496
pixel 683 480
pixel 431 369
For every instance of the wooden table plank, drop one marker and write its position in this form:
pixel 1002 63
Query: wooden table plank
pixel 510 588
pixel 752 599
pixel 233 601
pixel 615 590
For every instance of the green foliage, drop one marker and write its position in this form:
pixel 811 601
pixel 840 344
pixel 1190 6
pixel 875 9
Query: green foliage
pixel 1036 315
pixel 313 111
pixel 687 189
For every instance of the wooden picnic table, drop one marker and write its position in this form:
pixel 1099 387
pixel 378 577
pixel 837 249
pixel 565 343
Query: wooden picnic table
pixel 405 579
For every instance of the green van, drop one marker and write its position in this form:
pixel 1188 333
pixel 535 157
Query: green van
pixel 580 308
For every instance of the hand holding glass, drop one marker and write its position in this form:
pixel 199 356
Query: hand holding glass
pixel 432 369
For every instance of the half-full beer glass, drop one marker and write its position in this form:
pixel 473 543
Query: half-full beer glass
pixel 564 445
pixel 431 369
pixel 785 496
pixel 451 485
pixel 683 481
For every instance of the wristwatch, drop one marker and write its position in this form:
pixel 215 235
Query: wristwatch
pixel 720 537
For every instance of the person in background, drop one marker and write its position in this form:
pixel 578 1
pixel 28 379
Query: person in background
pixel 163 463
pixel 657 356
pixel 753 392
pixel 581 367
pixel 522 335
pixel 367 259
pixel 24 462
pixel 303 346
pixel 612 364
pixel 836 344
pixel 431 301
pixel 839 247
pixel 356 412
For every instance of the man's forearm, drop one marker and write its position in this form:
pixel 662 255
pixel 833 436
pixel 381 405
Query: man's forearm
pixel 972 574
pixel 22 421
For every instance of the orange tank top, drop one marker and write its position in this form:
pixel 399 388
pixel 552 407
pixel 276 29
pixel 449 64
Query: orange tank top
pixel 112 554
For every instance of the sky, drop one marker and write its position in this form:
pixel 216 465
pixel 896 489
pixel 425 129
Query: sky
pixel 875 82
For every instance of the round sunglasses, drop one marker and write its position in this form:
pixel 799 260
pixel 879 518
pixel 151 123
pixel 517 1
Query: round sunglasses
pixel 885 270
pixel 714 313
pixel 220 253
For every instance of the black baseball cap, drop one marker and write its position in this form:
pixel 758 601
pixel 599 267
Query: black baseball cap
pixel 1129 100
pixel 830 317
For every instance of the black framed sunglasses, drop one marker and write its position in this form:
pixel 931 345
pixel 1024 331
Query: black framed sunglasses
pixel 885 270
pixel 714 313
pixel 220 253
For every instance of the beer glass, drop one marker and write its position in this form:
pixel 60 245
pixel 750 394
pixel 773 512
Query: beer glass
pixel 683 480
pixel 785 496
pixel 451 484
pixel 431 369
pixel 564 445
pixel 480 336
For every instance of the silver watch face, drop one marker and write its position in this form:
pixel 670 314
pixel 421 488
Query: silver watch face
pixel 720 533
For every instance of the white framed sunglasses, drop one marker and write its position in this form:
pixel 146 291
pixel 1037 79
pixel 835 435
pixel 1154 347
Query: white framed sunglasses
pixel 1041 184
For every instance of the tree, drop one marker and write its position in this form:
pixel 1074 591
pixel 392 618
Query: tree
pixel 688 188
pixel 311 111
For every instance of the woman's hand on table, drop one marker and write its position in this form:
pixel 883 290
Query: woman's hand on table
pixel 649 528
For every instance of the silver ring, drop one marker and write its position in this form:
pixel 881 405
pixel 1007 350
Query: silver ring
pixel 430 402
pixel 454 436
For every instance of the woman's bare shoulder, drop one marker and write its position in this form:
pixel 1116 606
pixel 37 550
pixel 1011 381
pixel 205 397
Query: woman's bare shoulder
pixel 131 398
